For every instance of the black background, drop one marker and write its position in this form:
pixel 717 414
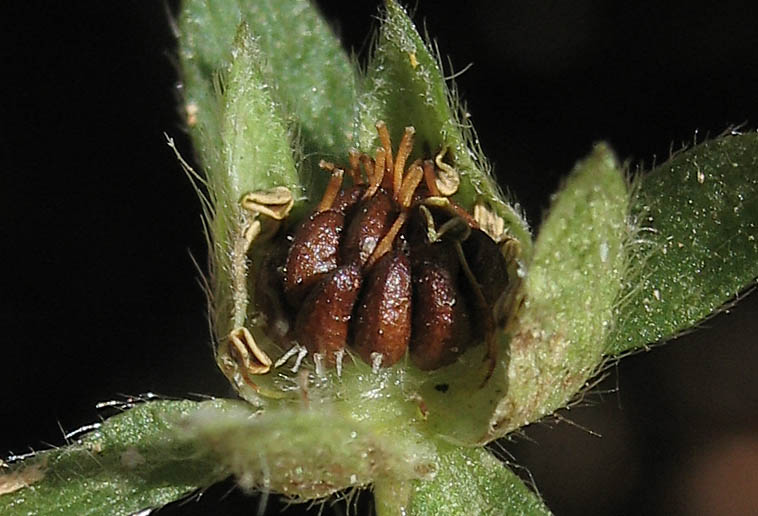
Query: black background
pixel 99 294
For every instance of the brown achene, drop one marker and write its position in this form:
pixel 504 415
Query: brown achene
pixel 387 266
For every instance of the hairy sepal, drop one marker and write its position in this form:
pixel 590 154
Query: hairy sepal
pixel 404 86
pixel 561 321
pixel 569 295
pixel 255 155
pixel 306 454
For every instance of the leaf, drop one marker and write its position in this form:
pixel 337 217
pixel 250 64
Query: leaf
pixel 569 293
pixel 134 461
pixel 467 481
pixel 309 73
pixel 698 217
pixel 405 86
pixel 312 74
pixel 206 35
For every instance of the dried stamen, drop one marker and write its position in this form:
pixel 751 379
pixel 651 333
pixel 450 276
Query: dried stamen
pixel 251 229
pixel 274 202
pixel 430 179
pixel 250 232
pixel 368 165
pixel 387 241
pixel 405 198
pixel 409 185
pixel 384 137
pixel 333 188
pixel 454 229
pixel 448 179
pixel 375 174
pixel 452 208
pixel 355 172
pixel 403 151
pixel 490 222
pixel 246 353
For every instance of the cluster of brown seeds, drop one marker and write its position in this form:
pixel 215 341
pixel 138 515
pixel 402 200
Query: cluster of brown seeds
pixel 389 263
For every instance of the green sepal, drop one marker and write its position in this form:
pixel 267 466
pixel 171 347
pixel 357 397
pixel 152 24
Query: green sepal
pixel 254 140
pixel 133 461
pixel 698 240
pixel 569 295
pixel 404 86
pixel 467 481
pixel 305 453
pixel 557 339
pixel 283 86
pixel 255 154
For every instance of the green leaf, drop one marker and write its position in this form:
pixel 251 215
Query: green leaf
pixel 405 86
pixel 206 35
pixel 134 461
pixel 569 293
pixel 309 73
pixel 698 218
pixel 467 481
pixel 312 74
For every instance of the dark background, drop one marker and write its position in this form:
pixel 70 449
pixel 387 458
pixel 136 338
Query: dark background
pixel 99 294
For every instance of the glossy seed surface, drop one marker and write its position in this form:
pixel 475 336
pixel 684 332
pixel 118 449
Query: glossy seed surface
pixel 441 324
pixel 313 253
pixel 383 322
pixel 370 223
pixel 348 199
pixel 323 322
pixel 487 263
